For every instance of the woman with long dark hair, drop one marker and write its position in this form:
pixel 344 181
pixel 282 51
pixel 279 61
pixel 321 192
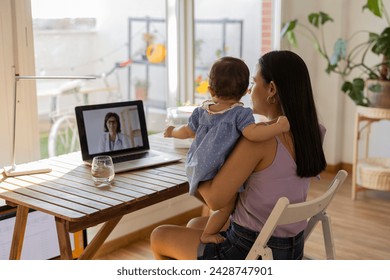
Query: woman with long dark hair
pixel 281 166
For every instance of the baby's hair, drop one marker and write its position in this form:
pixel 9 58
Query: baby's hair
pixel 229 78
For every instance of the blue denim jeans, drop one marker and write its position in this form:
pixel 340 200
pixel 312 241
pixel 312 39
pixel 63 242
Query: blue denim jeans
pixel 239 241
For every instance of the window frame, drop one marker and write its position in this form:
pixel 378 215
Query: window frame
pixel 18 57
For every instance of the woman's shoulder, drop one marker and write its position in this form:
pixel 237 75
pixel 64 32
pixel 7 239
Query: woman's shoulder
pixel 261 147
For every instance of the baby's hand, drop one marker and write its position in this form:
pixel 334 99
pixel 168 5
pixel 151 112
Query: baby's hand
pixel 168 131
pixel 283 123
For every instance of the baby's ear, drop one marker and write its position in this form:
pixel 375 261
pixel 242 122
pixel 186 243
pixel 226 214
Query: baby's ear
pixel 211 91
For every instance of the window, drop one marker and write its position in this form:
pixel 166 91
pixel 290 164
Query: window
pixel 121 43
pixel 230 28
pixel 93 38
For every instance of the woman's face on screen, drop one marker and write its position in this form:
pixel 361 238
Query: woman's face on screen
pixel 112 125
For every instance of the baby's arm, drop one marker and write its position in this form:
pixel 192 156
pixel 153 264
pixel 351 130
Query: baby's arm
pixel 181 132
pixel 259 132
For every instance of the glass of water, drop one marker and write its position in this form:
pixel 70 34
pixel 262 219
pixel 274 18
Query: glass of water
pixel 102 170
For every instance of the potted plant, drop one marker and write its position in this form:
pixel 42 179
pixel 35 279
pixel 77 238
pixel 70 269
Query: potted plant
pixel 141 89
pixel 346 60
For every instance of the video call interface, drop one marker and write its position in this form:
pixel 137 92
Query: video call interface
pixel 127 133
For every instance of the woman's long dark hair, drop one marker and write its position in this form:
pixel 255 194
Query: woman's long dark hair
pixel 289 73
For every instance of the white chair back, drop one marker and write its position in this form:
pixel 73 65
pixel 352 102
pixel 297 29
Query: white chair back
pixel 286 213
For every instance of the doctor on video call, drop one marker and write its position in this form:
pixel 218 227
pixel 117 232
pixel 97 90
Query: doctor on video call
pixel 112 138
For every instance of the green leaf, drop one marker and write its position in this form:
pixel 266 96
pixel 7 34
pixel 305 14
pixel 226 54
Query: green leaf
pixel 292 39
pixel 330 68
pixel 355 91
pixel 318 19
pixel 288 26
pixel 372 37
pixel 375 7
pixel 288 32
pixel 339 51
pixel 325 18
pixel 382 45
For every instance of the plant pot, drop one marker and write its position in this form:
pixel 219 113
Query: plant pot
pixel 378 93
pixel 141 93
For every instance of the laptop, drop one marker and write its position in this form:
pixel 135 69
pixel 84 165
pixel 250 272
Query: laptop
pixel 130 150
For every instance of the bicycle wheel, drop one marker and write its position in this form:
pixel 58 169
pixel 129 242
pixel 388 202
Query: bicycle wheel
pixel 63 137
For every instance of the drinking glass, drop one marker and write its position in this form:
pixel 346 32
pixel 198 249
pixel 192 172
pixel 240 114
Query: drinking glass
pixel 102 170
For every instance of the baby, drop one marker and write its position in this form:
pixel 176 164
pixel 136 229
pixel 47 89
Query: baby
pixel 216 126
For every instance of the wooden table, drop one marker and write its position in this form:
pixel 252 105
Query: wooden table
pixel 70 196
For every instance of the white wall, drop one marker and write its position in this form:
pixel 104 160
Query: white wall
pixel 335 109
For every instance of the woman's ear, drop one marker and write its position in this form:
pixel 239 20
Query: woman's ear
pixel 272 89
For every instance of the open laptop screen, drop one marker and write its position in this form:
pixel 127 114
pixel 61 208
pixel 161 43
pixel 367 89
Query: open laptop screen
pixel 112 128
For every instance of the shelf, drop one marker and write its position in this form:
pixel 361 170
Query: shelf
pixel 369 173
pixel 146 62
pixel 373 113
pixel 374 173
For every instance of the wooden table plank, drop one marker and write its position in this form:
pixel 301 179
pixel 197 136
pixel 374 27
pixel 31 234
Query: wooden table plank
pixel 138 178
pixel 36 204
pixel 88 184
pixel 48 198
pixel 94 199
pixel 126 178
pixel 129 185
pixel 167 173
pixel 91 192
pixel 160 176
pixel 32 184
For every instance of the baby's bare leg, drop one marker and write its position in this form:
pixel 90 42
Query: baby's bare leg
pixel 216 222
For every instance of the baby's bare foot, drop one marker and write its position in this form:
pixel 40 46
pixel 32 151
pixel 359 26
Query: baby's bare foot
pixel 211 238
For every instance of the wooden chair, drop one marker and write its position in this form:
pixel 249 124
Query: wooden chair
pixel 286 213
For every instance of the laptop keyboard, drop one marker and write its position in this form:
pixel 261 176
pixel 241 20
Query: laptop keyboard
pixel 132 157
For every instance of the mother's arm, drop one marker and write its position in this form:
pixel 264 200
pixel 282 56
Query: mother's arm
pixel 240 164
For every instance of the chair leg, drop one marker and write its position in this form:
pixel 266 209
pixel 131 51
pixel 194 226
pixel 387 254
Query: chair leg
pixel 267 254
pixel 328 237
pixel 264 253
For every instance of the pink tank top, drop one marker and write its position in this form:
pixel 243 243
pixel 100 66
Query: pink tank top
pixel 265 187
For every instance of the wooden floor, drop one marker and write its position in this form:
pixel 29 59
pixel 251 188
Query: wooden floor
pixel 361 227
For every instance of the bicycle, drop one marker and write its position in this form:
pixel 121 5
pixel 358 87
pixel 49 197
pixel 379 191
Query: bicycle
pixel 63 136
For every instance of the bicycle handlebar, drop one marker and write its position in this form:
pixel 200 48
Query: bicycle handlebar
pixel 118 65
pixel 124 63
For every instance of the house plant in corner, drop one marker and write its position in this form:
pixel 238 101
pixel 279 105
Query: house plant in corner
pixel 366 85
